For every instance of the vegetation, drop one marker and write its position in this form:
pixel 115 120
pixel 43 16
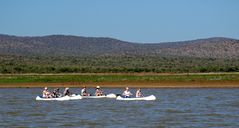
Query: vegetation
pixel 112 64
pixel 94 78
pixel 72 54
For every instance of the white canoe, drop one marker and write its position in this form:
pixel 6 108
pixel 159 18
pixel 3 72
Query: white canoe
pixel 104 96
pixel 151 97
pixel 73 97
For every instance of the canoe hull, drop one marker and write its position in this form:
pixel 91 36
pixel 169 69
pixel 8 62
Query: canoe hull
pixel 96 97
pixel 74 97
pixel 151 97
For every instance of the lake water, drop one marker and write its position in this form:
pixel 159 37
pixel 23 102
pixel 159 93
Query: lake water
pixel 174 108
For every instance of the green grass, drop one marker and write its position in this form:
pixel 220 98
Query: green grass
pixel 95 78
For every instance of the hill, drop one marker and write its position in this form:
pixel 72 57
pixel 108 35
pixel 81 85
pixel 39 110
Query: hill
pixel 61 45
pixel 61 53
pixel 206 48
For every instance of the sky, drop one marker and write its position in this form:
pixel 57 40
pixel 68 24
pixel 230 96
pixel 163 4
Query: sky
pixel 146 21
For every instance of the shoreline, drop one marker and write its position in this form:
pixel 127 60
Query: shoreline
pixel 133 73
pixel 210 84
pixel 119 80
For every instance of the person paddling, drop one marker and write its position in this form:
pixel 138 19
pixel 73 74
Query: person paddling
pixel 84 92
pixel 127 93
pixel 67 92
pixel 56 93
pixel 98 91
pixel 138 93
pixel 46 93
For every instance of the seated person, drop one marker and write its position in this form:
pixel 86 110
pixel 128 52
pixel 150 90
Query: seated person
pixel 84 92
pixel 127 93
pixel 138 93
pixel 67 92
pixel 46 93
pixel 56 93
pixel 98 91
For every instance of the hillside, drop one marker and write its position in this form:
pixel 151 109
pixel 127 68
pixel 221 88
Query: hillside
pixel 60 45
pixel 206 48
pixel 60 53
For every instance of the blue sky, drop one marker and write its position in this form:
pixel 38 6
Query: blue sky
pixel 129 20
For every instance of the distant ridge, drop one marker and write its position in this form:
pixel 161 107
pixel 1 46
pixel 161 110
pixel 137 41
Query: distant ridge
pixel 62 45
pixel 76 54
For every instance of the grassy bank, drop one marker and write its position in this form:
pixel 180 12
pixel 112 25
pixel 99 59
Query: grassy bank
pixel 118 80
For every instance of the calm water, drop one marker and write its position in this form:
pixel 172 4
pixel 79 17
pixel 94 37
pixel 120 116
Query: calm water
pixel 174 108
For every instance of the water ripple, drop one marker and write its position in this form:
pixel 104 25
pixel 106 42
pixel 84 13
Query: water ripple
pixel 173 108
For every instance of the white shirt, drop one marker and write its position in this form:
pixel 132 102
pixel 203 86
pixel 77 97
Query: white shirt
pixel 83 91
pixel 138 94
pixel 127 93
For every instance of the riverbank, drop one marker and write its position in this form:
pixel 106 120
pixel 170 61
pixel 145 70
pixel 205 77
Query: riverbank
pixel 142 80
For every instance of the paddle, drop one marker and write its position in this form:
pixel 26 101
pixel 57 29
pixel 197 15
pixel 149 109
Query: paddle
pixel 118 95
